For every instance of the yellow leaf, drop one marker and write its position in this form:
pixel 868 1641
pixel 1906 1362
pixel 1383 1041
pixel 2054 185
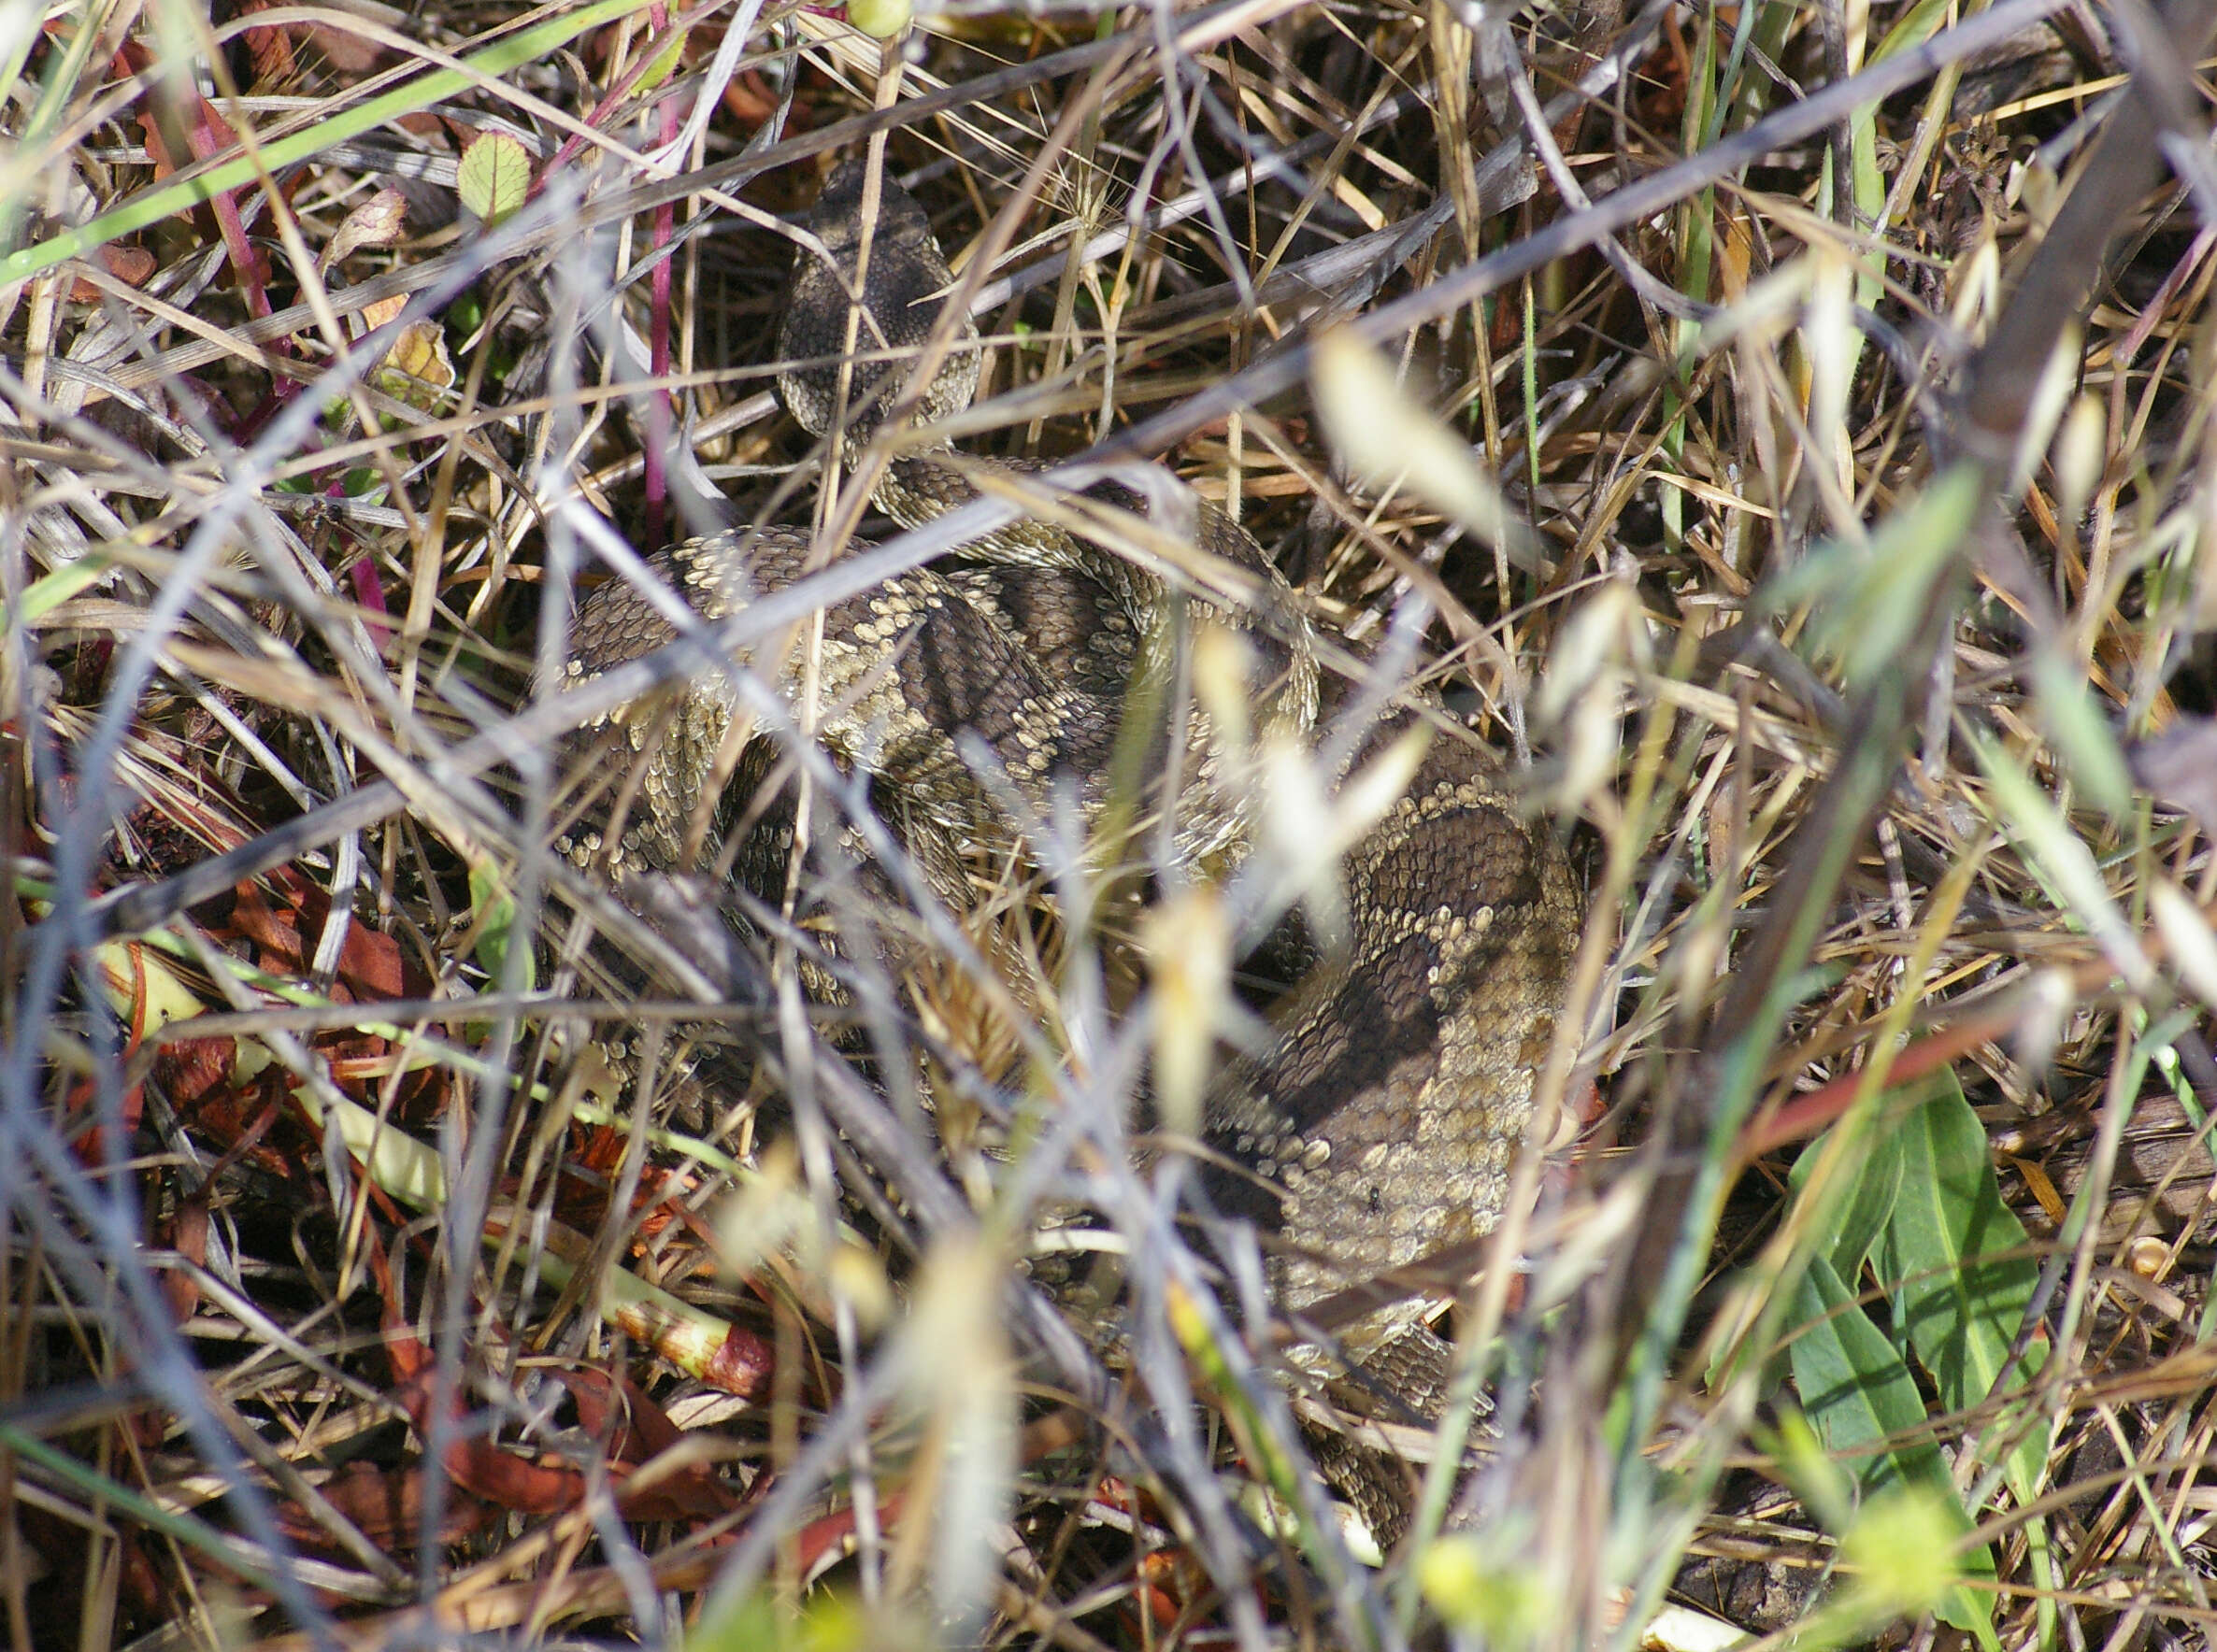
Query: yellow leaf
pixel 416 369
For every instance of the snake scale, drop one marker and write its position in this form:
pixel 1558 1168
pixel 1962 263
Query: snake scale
pixel 1380 1123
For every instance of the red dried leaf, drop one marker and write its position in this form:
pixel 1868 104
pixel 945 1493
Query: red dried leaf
pixel 185 1233
pixel 91 1143
pixel 476 1466
pixel 53 1570
pixel 371 966
pixel 129 265
pixel 344 51
pixel 824 1541
pixel 370 593
pixel 271 46
pixel 211 1101
pixel 195 1072
pixel 386 1506
pixel 749 100
pixel 637 1435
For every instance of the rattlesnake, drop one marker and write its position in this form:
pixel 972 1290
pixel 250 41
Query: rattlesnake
pixel 1380 1123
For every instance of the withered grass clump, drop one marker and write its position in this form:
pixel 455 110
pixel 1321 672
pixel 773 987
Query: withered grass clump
pixel 1784 432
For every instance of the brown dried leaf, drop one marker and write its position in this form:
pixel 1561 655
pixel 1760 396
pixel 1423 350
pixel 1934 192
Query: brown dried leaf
pixel 378 222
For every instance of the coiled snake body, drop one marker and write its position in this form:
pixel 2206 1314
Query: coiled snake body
pixel 1380 1124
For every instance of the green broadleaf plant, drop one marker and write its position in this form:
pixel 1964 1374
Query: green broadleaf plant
pixel 1925 1214
pixel 494 176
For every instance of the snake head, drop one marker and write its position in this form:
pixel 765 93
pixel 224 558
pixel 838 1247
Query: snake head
pixel 904 288
pixel 901 228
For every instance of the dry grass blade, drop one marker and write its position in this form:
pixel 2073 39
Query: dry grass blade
pixel 1786 432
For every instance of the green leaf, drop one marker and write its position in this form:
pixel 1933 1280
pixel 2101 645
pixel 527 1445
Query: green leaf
pixel 1867 599
pixel 2067 867
pixel 50 590
pixel 1860 1213
pixel 2080 733
pixel 1802 1461
pixel 828 1620
pixel 1857 1392
pixel 494 176
pixel 663 63
pixel 1476 1583
pixel 1911 29
pixel 1961 1268
pixel 1856 1389
pixel 494 909
pixel 1902 1548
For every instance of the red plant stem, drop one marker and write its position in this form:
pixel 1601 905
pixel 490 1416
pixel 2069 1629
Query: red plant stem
pixel 206 133
pixel 370 592
pixel 630 78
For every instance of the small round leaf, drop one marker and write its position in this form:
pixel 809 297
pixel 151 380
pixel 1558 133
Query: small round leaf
pixel 495 175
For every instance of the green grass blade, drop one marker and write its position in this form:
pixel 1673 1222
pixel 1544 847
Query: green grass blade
pixel 182 193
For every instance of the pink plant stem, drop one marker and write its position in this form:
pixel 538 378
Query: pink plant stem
pixel 595 116
pixel 370 592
